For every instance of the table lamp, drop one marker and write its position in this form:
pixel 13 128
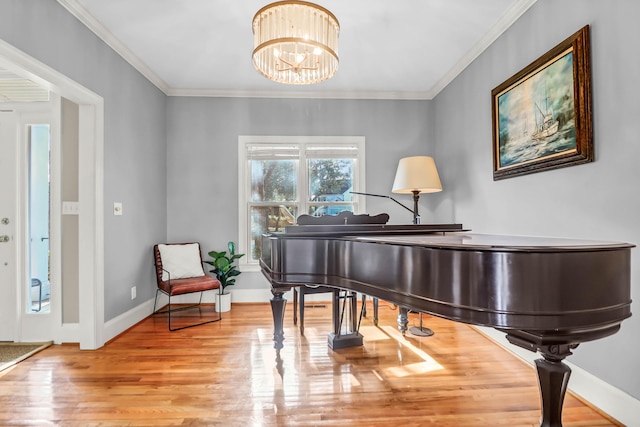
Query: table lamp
pixel 415 175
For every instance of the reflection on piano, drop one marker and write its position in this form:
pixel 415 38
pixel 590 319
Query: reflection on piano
pixel 548 295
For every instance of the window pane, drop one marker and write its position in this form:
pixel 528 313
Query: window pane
pixel 38 285
pixel 329 209
pixel 269 218
pixel 274 180
pixel 330 179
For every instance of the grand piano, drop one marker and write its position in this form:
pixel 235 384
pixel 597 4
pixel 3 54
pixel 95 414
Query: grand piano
pixel 547 295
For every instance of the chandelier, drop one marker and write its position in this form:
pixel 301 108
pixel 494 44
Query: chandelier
pixel 295 42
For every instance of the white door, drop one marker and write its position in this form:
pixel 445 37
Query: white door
pixel 35 272
pixel 25 309
pixel 8 209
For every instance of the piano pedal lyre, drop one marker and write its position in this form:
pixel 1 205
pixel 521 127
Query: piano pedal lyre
pixel 351 336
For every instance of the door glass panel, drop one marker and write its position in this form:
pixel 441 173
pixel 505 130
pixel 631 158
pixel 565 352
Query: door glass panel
pixel 38 286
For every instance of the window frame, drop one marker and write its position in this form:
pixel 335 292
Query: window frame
pixel 244 180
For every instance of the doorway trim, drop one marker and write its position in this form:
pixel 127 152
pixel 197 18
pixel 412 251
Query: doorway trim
pixel 89 331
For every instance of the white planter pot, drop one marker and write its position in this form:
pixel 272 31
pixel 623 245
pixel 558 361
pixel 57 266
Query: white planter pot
pixel 223 302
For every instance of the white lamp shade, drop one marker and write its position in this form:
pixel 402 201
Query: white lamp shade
pixel 416 173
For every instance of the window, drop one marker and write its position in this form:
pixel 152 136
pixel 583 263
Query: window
pixel 281 178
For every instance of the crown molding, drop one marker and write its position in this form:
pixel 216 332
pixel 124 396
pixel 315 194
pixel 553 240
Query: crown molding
pixel 77 10
pixel 513 13
pixel 294 94
pixel 505 21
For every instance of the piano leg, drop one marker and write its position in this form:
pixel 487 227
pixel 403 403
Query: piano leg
pixel 553 376
pixel 278 304
pixel 403 319
pixel 375 311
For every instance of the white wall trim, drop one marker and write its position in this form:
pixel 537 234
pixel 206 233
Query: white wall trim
pixel 608 399
pixel 124 321
pixel 506 21
pixel 304 94
pixel 80 12
pixel 254 295
pixel 68 333
pixel 245 264
pixel 91 197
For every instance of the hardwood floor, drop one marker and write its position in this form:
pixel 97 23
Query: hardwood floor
pixel 226 374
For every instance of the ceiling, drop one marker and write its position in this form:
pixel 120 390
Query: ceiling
pixel 403 49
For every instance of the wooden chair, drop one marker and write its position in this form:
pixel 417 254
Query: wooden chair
pixel 343 218
pixel 179 271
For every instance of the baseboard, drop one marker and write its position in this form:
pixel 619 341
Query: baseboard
pixel 255 295
pixel 606 398
pixel 121 323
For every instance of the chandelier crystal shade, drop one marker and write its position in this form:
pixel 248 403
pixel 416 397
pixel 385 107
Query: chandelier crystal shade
pixel 295 42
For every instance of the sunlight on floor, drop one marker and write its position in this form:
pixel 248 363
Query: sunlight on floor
pixel 429 364
pixel 373 333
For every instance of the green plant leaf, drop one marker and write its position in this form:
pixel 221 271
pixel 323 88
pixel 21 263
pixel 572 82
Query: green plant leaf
pixel 216 255
pixel 222 263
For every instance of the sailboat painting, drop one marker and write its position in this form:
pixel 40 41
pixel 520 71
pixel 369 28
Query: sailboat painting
pixel 536 117
pixel 542 115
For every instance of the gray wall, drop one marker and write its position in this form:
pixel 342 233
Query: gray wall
pixel 134 139
pixel 202 152
pixel 597 200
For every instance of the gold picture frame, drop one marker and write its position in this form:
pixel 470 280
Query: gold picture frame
pixel 542 115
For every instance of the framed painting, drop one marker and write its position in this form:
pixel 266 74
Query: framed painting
pixel 542 115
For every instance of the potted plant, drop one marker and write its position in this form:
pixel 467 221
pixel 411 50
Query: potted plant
pixel 225 269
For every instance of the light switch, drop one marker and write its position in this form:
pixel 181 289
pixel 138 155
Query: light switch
pixel 117 208
pixel 70 208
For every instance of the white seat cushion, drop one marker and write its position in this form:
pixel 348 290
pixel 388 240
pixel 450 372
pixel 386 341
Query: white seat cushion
pixel 181 261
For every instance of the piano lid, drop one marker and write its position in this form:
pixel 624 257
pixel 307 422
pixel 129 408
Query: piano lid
pixel 368 229
pixel 486 242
